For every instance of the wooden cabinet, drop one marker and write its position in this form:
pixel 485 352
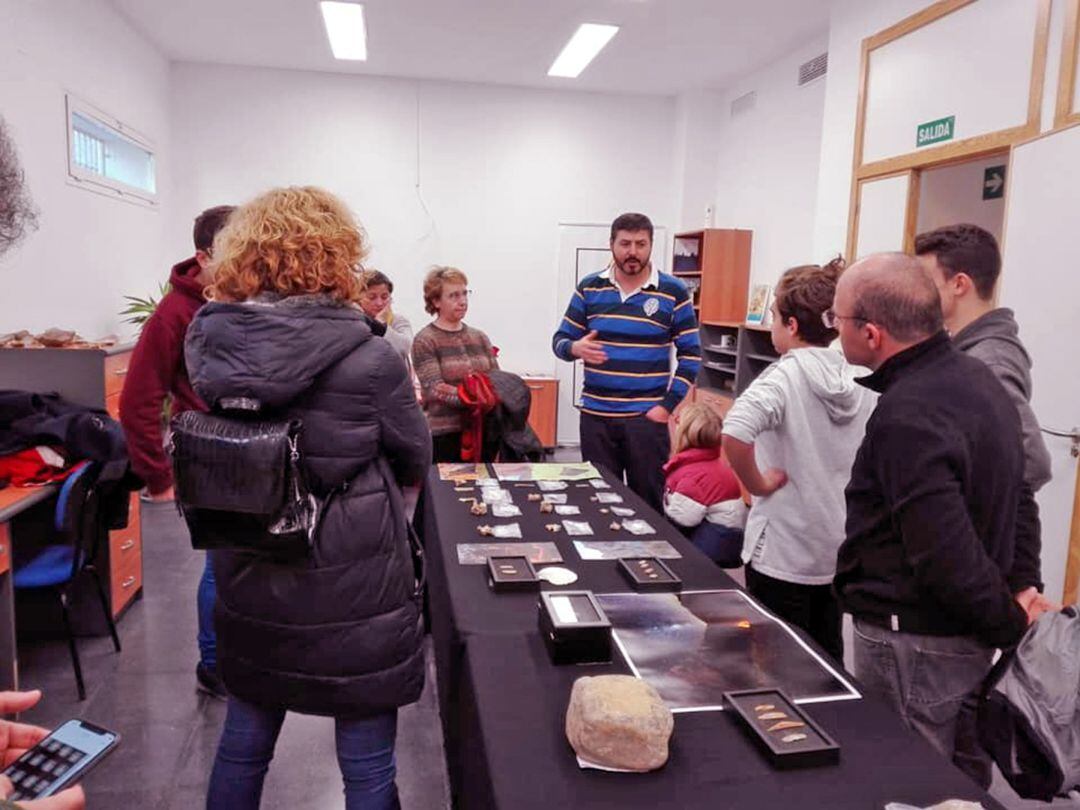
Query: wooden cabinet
pixel 543 413
pixel 733 355
pixel 715 264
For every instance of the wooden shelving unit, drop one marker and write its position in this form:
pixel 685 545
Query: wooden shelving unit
pixel 715 264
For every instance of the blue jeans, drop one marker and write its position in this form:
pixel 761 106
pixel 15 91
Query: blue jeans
pixel 205 605
pixel 365 751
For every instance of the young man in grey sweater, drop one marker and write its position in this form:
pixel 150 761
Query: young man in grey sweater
pixel 964 262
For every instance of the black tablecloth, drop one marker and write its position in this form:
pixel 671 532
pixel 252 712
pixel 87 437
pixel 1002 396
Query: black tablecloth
pixel 503 702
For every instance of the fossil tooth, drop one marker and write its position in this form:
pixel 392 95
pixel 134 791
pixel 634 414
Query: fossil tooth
pixel 764 707
pixel 790 738
pixel 785 724
pixel 772 716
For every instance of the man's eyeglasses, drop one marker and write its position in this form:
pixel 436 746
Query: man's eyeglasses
pixel 832 320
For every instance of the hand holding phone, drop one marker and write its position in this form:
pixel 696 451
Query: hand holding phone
pixel 55 763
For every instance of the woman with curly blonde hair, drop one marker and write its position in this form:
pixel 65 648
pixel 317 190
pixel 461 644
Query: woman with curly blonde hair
pixel 338 633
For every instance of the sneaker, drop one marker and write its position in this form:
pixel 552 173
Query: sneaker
pixel 208 682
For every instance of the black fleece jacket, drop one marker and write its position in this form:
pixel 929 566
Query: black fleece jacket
pixel 933 501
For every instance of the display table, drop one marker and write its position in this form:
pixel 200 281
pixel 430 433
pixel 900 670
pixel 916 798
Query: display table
pixel 503 702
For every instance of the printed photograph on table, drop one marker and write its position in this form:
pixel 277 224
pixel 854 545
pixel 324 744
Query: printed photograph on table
pixel 478 553
pixel 695 646
pixel 618 549
pixel 463 473
pixel 577 471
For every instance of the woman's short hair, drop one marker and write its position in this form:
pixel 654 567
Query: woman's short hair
pixel 299 240
pixel 805 292
pixel 376 278
pixel 433 285
pixel 697 425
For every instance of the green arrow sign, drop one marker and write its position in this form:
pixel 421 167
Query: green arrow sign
pixel 993 183
pixel 935 131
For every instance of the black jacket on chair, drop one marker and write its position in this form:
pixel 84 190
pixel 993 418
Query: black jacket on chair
pixel 933 536
pixel 339 633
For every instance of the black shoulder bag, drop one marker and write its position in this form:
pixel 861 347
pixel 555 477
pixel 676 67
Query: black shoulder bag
pixel 240 485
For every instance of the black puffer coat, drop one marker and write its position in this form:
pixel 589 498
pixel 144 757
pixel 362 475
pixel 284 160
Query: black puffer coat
pixel 340 633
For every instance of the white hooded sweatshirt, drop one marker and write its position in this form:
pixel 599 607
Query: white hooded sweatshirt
pixel 806 415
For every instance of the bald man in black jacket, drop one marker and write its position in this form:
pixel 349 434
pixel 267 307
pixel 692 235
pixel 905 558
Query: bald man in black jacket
pixel 933 555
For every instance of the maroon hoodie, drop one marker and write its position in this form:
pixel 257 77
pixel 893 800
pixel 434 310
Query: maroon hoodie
pixel 157 370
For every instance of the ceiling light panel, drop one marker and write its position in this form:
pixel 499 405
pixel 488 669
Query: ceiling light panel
pixel 584 45
pixel 345 28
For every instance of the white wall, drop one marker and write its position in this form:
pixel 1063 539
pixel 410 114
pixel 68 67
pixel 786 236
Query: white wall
pixel 90 250
pixel 700 115
pixel 498 167
pixel 953 194
pixel 850 22
pixel 767 169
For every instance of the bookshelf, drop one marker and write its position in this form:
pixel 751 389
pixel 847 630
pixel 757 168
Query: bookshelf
pixel 714 263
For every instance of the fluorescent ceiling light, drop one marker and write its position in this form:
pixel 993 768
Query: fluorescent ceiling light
pixel 584 45
pixel 345 28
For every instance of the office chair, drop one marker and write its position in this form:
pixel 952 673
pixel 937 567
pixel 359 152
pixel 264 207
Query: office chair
pixel 57 566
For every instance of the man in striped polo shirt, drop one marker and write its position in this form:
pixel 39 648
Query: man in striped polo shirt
pixel 622 323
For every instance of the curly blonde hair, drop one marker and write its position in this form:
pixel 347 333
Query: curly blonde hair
pixel 433 284
pixel 291 241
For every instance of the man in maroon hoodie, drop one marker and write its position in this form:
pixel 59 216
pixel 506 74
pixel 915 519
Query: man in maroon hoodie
pixel 157 371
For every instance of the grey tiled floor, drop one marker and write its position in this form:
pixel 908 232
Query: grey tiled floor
pixel 169 732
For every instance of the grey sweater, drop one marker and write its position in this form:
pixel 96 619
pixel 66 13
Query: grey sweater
pixel 994 339
pixel 806 415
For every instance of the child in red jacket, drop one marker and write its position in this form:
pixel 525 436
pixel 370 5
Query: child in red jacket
pixel 701 493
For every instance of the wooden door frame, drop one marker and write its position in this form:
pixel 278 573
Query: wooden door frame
pixel 1064 114
pixel 973 147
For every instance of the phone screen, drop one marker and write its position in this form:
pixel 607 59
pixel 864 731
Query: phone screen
pixel 60 760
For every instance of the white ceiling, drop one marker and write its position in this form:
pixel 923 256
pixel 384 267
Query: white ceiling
pixel 664 47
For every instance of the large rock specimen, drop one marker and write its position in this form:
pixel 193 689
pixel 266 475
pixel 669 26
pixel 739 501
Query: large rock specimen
pixel 617 721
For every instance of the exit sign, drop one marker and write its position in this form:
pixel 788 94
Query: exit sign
pixel 935 131
pixel 993 183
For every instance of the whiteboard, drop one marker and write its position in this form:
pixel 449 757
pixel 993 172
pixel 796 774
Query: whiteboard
pixel 974 64
pixel 1039 282
pixel 882 209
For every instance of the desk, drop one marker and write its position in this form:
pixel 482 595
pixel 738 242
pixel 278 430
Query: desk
pixel 503 703
pixel 13 501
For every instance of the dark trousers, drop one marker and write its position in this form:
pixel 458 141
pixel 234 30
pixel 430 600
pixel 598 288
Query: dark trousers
pixel 812 608
pixel 634 446
pixel 447 448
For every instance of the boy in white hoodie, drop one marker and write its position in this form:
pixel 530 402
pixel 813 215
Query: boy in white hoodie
pixel 801 421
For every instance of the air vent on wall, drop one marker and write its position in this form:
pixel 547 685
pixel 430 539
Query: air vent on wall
pixel 814 69
pixel 743 104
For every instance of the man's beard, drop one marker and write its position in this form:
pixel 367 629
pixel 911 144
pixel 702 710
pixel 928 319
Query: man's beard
pixel 635 267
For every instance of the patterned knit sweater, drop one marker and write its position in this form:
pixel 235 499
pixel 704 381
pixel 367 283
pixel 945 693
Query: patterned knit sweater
pixel 442 359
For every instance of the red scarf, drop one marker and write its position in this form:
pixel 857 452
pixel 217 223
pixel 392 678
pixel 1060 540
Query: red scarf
pixel 480 399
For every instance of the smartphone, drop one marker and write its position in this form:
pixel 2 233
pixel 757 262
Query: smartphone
pixel 60 760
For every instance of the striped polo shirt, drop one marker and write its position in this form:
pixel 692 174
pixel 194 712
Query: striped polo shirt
pixel 637 333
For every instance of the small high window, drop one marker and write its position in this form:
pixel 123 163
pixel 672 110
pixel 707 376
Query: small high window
pixel 107 156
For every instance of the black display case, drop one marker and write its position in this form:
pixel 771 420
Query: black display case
pixel 512 574
pixel 787 736
pixel 574 627
pixel 648 574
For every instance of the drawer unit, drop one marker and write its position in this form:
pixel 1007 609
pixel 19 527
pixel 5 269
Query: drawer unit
pixel 5 548
pixel 543 412
pixel 125 559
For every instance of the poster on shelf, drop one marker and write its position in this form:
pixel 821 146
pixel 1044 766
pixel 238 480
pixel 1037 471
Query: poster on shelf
pixel 758 308
pixel 694 646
